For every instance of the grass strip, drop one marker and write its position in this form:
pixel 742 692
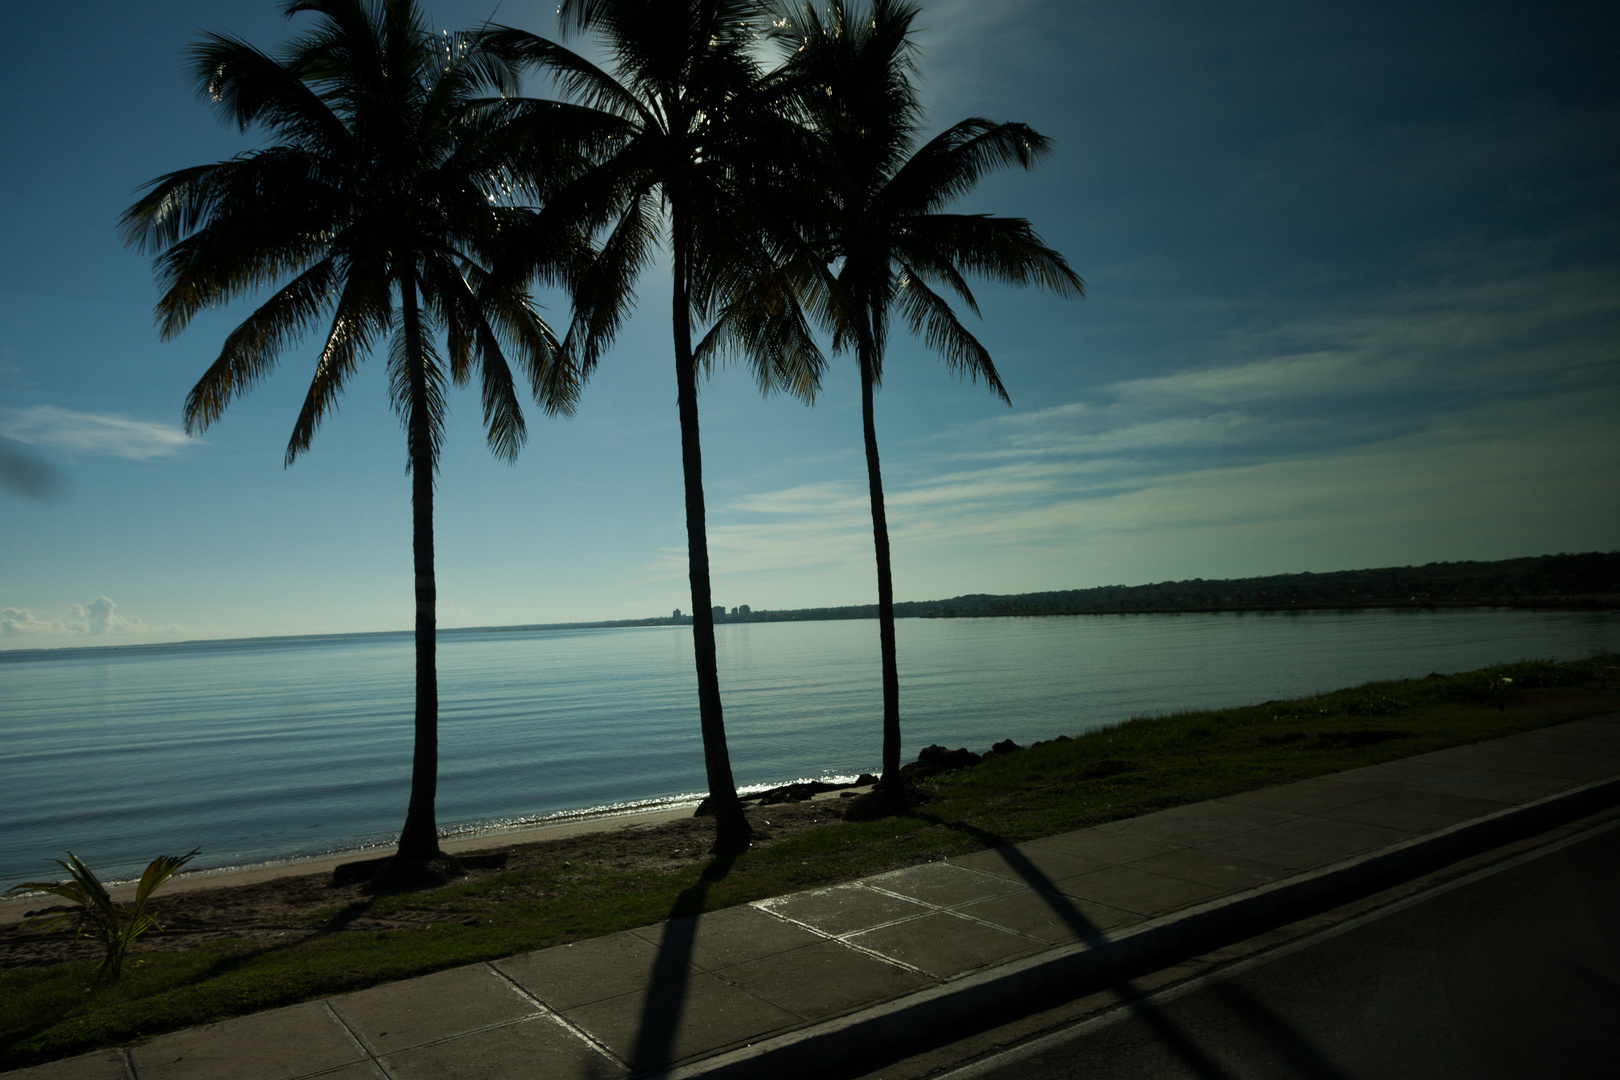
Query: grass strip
pixel 1106 774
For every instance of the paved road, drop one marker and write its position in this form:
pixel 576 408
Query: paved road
pixel 1515 975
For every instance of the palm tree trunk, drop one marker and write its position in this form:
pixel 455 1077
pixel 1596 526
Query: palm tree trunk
pixel 732 829
pixel 880 542
pixel 420 837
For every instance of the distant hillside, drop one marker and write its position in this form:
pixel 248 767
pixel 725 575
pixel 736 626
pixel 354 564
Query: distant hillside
pixel 1582 581
pixel 1590 581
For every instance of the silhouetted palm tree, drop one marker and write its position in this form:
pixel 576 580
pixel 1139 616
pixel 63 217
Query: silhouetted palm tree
pixel 377 211
pixel 687 129
pixel 881 223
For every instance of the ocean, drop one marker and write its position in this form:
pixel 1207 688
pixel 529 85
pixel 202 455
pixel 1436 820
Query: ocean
pixel 274 748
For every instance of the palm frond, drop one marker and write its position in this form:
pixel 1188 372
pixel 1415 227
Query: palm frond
pixel 579 79
pixel 765 324
pixel 252 349
pixel 360 318
pixel 953 162
pixel 249 87
pixel 252 221
pixel 416 380
pixel 1007 250
pixel 605 293
pixel 509 314
pixel 158 871
pixel 931 318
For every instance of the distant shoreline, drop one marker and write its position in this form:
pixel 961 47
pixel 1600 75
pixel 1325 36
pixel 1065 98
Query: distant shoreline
pixel 1581 582
pixel 1595 604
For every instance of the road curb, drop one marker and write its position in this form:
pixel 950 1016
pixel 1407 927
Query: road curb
pixel 993 995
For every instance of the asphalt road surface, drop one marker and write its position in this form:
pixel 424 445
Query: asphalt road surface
pixel 1516 974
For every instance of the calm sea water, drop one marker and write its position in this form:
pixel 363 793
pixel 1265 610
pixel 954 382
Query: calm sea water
pixel 265 749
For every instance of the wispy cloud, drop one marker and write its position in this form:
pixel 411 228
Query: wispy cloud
pixel 1439 422
pixel 1487 485
pixel 92 434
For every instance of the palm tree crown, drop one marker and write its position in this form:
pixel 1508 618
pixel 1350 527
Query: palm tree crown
pixel 879 216
pixel 386 196
pixel 688 135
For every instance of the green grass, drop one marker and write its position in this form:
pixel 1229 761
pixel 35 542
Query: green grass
pixel 1116 772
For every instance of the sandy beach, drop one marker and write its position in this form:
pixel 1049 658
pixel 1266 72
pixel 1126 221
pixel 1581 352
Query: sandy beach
pixel 13 909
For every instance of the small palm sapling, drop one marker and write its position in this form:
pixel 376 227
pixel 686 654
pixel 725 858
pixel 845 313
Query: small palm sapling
pixel 114 926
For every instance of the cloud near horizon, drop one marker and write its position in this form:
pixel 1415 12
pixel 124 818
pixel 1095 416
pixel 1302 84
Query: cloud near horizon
pixel 92 434
pixel 97 618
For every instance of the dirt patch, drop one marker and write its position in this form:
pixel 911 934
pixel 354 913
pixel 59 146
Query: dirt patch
pixel 285 908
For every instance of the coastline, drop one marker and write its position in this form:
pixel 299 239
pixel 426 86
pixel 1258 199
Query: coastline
pixel 294 938
pixel 12 908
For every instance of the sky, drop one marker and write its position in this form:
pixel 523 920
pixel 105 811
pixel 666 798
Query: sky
pixel 1353 277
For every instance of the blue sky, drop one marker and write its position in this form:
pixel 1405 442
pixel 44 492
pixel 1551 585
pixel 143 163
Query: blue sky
pixel 1354 300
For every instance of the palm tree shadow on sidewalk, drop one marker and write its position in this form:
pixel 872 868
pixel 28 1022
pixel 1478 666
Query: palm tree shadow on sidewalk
pixel 1292 1045
pixel 666 997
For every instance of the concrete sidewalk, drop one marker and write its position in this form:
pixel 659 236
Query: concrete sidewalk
pixel 802 984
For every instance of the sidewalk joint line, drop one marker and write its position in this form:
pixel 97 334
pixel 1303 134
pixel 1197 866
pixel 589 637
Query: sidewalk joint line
pixel 938 910
pixel 358 1041
pixel 854 947
pixel 568 1025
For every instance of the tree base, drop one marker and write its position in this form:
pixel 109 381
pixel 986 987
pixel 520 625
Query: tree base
pixel 732 834
pixel 394 873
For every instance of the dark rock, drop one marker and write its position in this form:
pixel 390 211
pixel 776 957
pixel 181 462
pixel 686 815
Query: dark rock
pixel 785 793
pixel 1005 746
pixel 934 760
pixel 794 792
pixel 882 802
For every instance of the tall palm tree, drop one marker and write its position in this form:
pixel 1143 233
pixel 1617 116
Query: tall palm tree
pixel 880 218
pixel 685 128
pixel 378 211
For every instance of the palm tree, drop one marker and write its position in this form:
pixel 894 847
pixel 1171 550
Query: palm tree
pixel 881 223
pixel 378 211
pixel 685 126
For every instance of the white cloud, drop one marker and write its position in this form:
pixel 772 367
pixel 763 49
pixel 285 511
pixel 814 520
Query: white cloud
pixel 92 433
pixel 98 618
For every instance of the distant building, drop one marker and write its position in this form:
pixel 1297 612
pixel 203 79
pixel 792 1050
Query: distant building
pixel 719 612
pixel 677 614
pixel 743 610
